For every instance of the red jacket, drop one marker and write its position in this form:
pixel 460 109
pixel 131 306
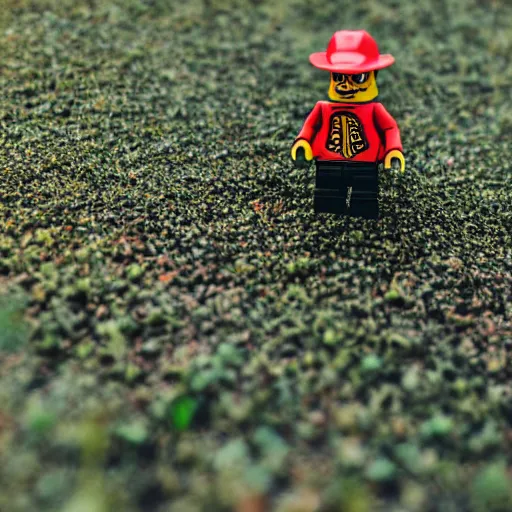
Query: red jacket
pixel 361 132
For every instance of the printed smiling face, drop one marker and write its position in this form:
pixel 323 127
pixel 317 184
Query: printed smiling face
pixel 353 88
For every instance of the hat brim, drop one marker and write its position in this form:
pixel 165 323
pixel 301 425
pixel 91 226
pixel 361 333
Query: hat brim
pixel 352 65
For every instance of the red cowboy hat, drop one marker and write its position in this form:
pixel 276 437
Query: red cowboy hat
pixel 351 52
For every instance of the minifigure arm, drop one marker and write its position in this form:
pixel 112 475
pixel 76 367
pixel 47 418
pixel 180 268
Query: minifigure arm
pixel 301 151
pixel 311 124
pixel 390 135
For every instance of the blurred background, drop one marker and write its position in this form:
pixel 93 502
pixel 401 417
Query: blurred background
pixel 179 331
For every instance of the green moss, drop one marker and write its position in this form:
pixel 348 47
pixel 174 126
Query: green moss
pixel 14 329
pixel 170 288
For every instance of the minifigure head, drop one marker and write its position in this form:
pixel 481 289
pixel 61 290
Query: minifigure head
pixel 353 58
pixel 353 88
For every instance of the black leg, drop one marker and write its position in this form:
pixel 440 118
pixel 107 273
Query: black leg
pixel 365 191
pixel 331 188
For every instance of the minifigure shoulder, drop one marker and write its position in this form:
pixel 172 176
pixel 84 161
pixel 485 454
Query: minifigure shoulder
pixel 316 112
pixel 319 105
pixel 383 118
pixel 378 107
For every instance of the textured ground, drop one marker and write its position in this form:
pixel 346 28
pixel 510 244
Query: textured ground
pixel 179 331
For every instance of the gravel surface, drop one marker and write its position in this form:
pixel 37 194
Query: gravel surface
pixel 179 332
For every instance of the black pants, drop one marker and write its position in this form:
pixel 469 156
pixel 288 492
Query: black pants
pixel 333 180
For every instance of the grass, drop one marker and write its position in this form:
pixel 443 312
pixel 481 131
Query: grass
pixel 183 333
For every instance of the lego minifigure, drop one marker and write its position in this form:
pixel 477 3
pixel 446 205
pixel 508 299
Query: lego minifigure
pixel 349 134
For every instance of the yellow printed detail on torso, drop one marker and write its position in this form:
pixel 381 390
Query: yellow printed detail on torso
pixel 346 135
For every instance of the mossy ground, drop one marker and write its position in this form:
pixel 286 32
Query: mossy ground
pixel 180 332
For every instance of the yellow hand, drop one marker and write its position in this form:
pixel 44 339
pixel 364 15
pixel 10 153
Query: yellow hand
pixel 308 152
pixel 395 153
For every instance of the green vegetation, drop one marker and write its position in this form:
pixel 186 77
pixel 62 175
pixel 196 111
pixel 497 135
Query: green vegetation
pixel 180 332
pixel 14 332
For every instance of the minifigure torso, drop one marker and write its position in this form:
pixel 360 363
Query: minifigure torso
pixel 360 132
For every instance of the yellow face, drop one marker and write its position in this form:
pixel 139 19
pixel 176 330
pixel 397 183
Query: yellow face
pixel 353 88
